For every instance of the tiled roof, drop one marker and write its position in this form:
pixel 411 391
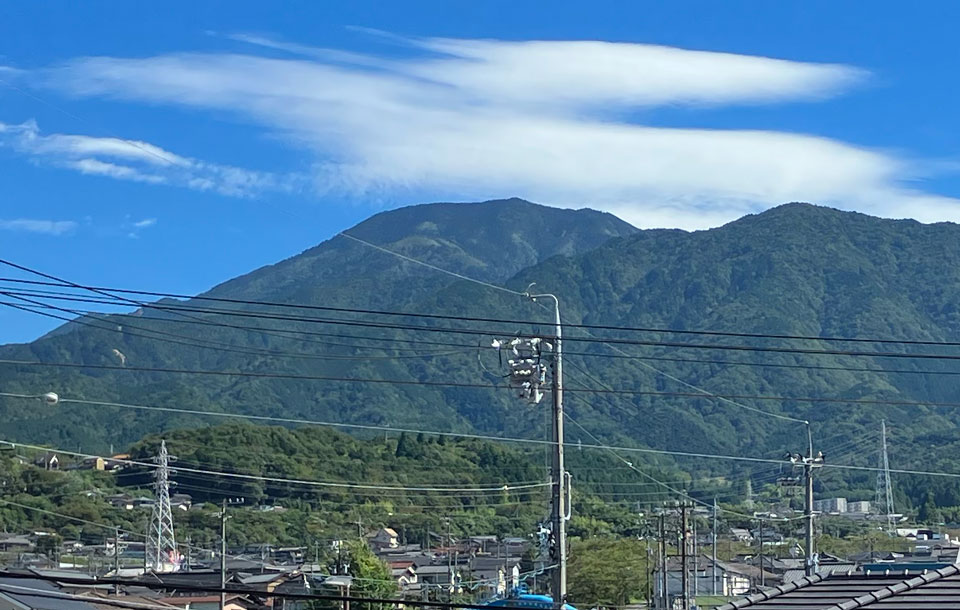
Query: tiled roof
pixel 39 595
pixel 928 590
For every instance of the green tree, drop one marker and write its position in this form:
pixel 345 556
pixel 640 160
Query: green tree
pixel 607 572
pixel 372 577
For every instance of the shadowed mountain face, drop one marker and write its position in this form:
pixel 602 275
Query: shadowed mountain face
pixel 794 270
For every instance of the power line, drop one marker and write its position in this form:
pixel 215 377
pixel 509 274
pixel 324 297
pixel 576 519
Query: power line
pixel 211 344
pixel 660 330
pixel 308 482
pixel 397 430
pixel 702 394
pixel 501 332
pixel 465 346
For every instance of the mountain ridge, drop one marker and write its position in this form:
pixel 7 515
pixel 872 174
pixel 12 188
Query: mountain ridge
pixel 794 269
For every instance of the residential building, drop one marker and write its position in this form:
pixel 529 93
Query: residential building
pixel 35 594
pixel 870 590
pixel 861 507
pixel 385 538
pixel 831 505
pixel 19 543
pixel 732 578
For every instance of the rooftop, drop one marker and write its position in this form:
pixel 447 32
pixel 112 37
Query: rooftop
pixel 906 590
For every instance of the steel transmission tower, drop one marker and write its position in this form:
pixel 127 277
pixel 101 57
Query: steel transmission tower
pixel 884 499
pixel 161 550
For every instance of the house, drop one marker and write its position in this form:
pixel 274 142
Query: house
pixel 826 565
pixel 181 501
pixel 48 461
pixel 441 577
pixel 731 578
pixel 18 543
pixel 93 463
pixel 493 576
pixel 36 594
pixel 740 534
pixel 234 601
pixel 385 538
pixel 870 590
pixel 404 572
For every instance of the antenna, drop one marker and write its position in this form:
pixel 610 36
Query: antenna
pixel 161 551
pixel 884 499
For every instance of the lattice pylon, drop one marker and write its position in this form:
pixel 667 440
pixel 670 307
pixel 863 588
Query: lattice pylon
pixel 884 497
pixel 161 550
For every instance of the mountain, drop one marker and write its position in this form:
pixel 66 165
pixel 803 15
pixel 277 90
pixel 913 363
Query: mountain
pixel 490 240
pixel 797 269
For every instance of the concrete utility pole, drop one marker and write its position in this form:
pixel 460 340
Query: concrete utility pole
pixel 527 375
pixel 684 585
pixel 116 558
pixel 223 547
pixel 763 582
pixel 809 463
pixel 223 554
pixel 662 562
pixel 713 589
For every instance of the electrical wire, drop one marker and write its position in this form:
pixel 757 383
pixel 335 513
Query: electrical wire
pixel 590 390
pixel 502 332
pixel 566 325
pixel 330 484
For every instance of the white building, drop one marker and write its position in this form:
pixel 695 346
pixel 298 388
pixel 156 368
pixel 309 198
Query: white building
pixel 831 505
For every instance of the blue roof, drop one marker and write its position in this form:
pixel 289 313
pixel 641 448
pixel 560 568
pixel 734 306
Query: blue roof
pixel 527 600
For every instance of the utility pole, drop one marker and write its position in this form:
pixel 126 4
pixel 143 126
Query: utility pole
pixel 662 561
pixel 684 585
pixel 763 581
pixel 696 562
pixel 809 463
pixel 527 375
pixel 223 547
pixel 116 558
pixel 713 589
pixel 223 554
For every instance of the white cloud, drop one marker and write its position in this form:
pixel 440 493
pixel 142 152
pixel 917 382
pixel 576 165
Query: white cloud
pixel 134 160
pixel 550 121
pixel 48 227
pixel 146 222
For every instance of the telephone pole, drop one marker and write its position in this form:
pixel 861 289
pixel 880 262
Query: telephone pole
pixel 713 589
pixel 223 554
pixel 662 561
pixel 684 585
pixel 809 463
pixel 223 548
pixel 528 375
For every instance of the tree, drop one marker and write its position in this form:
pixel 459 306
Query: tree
pixel 607 572
pixel 372 577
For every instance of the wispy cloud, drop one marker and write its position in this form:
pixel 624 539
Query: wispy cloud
pixel 553 121
pixel 146 222
pixel 31 225
pixel 136 161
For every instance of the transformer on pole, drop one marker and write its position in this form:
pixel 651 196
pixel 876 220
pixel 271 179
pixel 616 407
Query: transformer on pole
pixel 528 376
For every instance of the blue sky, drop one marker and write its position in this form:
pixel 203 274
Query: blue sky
pixel 171 148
